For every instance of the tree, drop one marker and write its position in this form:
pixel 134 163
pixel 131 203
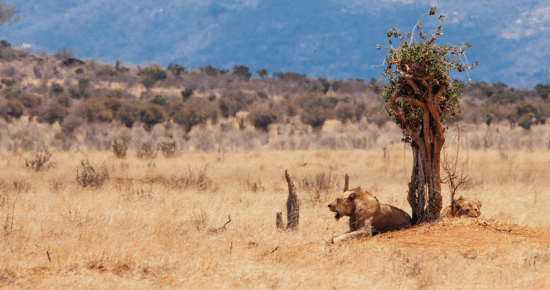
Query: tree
pixel 420 96
pixel 243 71
pixel 7 14
pixel 262 72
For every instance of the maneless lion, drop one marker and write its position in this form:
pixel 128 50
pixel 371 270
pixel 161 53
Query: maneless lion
pixel 366 215
pixel 464 208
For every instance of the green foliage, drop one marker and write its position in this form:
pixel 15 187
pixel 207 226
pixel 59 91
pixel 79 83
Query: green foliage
pixel 186 94
pixel 5 44
pixel 71 60
pixel 503 98
pixel 160 100
pixel 345 112
pixel 79 71
pixel 212 71
pixel 289 76
pixel 54 113
pixel 151 115
pixel 30 101
pixel 325 84
pixel 315 117
pixel 98 109
pixel 262 72
pixel 543 91
pixel 262 95
pixel 333 99
pixel 228 107
pixel 15 108
pixel 11 92
pixel 416 65
pixel 488 119
pixel 57 89
pixel 127 114
pixel 526 121
pixel 148 82
pixel 81 94
pixel 195 111
pixel 243 71
pixel 8 83
pixel 336 85
pixel 212 97
pixel 106 70
pixel 176 69
pixel 151 75
pixel 115 94
pixel 261 117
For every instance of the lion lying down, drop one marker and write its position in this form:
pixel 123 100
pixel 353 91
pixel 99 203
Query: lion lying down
pixel 464 208
pixel 366 215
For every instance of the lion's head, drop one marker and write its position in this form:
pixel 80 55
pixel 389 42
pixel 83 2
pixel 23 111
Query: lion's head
pixel 343 204
pixel 464 207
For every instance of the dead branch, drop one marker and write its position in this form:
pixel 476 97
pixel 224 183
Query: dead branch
pixel 346 184
pixel 220 229
pixel 484 223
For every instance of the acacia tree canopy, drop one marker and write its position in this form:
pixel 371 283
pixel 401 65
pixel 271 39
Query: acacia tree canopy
pixel 420 96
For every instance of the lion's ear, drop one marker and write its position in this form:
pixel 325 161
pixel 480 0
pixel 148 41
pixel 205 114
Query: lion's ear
pixel 479 203
pixel 351 196
pixel 457 206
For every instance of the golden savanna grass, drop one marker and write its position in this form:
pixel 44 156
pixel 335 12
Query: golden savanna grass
pixel 148 225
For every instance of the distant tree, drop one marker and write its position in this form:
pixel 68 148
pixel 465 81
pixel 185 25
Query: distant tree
pixel 262 72
pixel 326 85
pixel 176 69
pixel 278 75
pixel 7 13
pixel 243 71
pixel 262 116
pixel 543 90
pixel 336 85
pixel 160 100
pixel 187 93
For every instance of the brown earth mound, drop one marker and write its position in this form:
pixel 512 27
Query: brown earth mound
pixel 461 234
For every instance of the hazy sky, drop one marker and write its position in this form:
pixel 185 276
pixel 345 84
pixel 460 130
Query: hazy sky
pixel 328 38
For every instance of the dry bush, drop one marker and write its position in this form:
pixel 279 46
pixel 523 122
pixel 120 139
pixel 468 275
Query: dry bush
pixel 146 150
pixel 120 148
pixel 92 176
pixel 169 149
pixel 40 160
pixel 318 186
pixel 199 181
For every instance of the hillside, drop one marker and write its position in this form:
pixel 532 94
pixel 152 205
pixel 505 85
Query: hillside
pixel 79 103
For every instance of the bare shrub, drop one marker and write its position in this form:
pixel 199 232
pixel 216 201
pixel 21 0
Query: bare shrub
pixel 92 176
pixel 146 150
pixel 199 181
pixel 40 160
pixel 120 148
pixel 318 186
pixel 169 149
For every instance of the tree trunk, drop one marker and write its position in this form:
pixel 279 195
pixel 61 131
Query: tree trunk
pixel 292 208
pixel 292 205
pixel 424 194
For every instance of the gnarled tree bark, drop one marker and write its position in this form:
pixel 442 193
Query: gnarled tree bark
pixel 292 208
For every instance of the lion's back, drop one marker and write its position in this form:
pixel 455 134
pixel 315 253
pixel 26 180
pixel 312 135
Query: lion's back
pixel 391 218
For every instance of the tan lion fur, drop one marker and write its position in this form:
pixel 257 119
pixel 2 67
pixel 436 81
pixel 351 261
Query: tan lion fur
pixel 366 215
pixel 464 208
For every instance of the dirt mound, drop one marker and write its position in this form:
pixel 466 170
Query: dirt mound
pixel 464 234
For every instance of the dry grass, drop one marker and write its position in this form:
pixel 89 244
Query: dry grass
pixel 151 226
